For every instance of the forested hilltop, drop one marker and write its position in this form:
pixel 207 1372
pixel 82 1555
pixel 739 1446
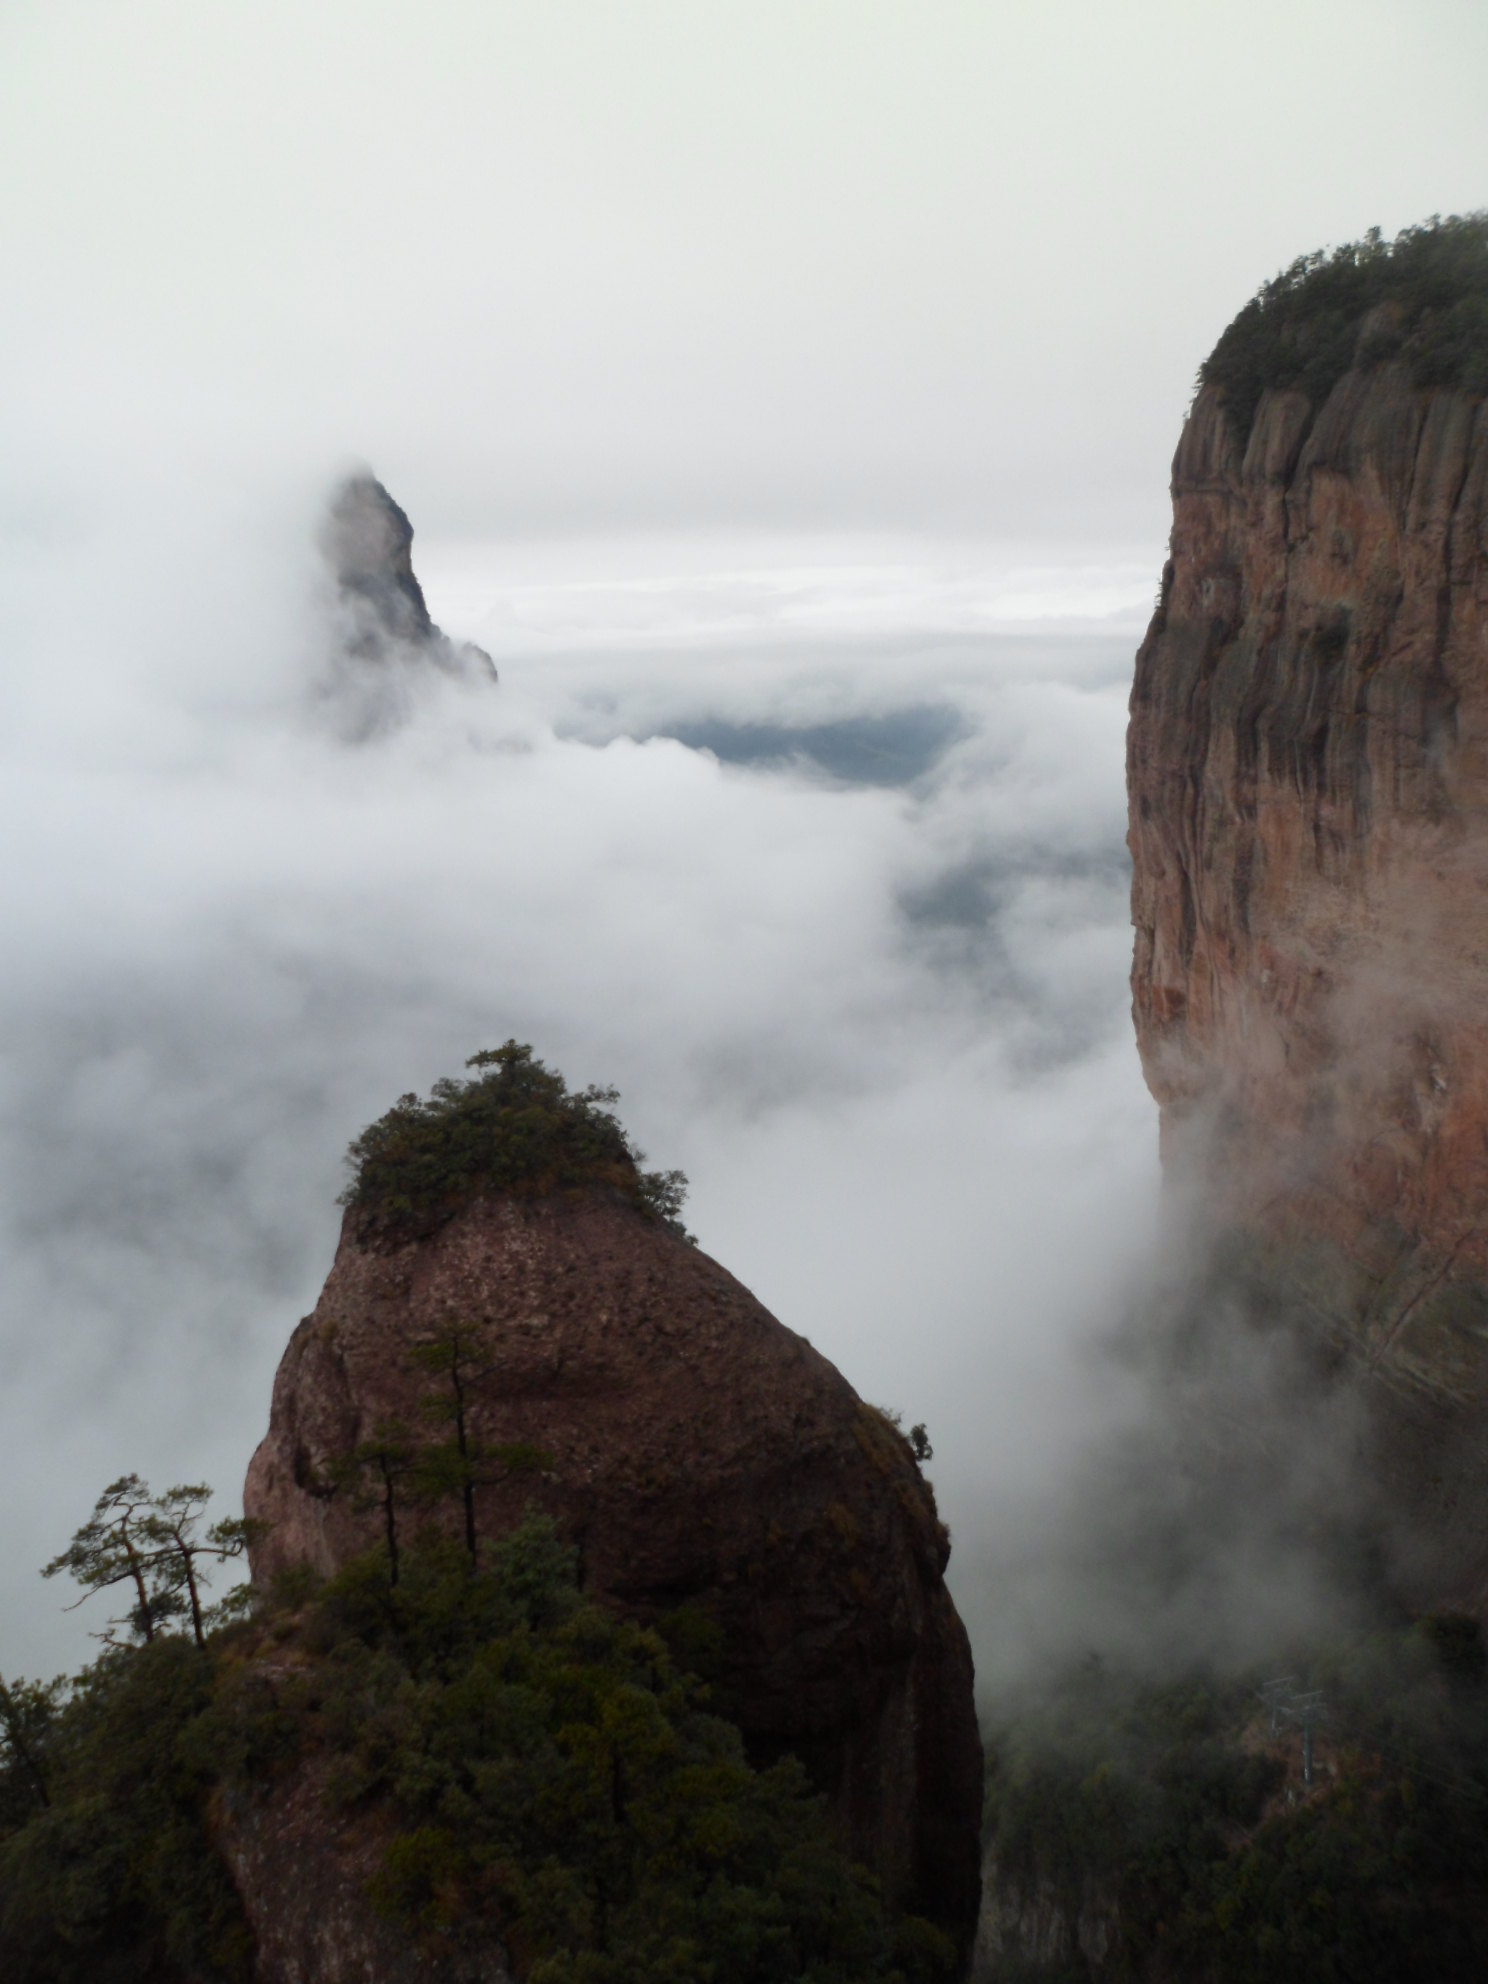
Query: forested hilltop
pixel 1324 1824
pixel 1424 296
pixel 467 1773
pixel 517 1314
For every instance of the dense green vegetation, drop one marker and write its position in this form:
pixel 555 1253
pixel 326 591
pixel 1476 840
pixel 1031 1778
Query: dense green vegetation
pixel 513 1126
pixel 1166 1806
pixel 536 1769
pixel 1302 329
pixel 152 1548
pixel 107 1874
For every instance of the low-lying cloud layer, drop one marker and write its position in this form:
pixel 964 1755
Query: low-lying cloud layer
pixel 879 1018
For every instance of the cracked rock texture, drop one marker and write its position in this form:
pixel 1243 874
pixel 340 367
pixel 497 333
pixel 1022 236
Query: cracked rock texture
pixel 1307 758
pixel 696 1451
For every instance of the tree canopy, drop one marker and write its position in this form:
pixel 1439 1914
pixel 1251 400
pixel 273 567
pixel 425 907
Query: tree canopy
pixel 527 1770
pixel 152 1546
pixel 1302 329
pixel 515 1126
pixel 1166 1804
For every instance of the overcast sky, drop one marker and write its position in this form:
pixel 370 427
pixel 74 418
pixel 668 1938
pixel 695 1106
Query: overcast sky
pixel 749 372
pixel 785 261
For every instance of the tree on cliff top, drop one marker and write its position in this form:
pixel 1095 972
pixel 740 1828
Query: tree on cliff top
pixel 1302 330
pixel 515 1126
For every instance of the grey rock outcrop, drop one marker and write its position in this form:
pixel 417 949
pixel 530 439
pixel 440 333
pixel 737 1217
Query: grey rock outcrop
pixel 384 638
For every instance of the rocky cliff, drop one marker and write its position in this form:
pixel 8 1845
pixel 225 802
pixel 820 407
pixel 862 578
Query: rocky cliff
pixel 384 638
pixel 1307 758
pixel 697 1452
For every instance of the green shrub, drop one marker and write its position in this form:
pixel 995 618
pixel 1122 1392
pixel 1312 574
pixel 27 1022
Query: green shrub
pixel 1302 329
pixel 560 1781
pixel 542 1773
pixel 514 1126
pixel 114 1879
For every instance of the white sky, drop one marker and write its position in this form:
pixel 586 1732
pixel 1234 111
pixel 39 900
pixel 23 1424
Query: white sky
pixel 773 363
pixel 785 262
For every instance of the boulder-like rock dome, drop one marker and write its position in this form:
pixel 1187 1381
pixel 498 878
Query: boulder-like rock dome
pixel 696 1451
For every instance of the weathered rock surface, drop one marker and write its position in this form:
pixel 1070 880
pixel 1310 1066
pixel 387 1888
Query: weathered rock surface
pixel 1307 768
pixel 385 636
pixel 698 1451
pixel 302 1875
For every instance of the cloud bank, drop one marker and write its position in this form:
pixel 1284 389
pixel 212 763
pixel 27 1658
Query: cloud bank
pixel 879 1018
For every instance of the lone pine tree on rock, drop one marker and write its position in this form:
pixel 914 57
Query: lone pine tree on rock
pixel 153 1546
pixel 375 1472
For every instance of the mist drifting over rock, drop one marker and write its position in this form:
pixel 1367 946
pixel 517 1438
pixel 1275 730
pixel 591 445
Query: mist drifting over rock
pixel 698 1453
pixel 1309 736
pixel 384 642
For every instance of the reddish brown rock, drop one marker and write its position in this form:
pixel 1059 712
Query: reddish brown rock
pixel 698 1451
pixel 302 1871
pixel 1307 769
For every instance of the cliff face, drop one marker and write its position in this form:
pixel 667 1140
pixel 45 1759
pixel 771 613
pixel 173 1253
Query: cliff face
pixel 384 636
pixel 697 1452
pixel 1307 759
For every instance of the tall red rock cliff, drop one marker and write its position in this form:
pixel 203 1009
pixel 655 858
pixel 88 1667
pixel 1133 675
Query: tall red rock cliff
pixel 697 1452
pixel 1307 771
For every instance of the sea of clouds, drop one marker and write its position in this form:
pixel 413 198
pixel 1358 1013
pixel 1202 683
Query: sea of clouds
pixel 814 847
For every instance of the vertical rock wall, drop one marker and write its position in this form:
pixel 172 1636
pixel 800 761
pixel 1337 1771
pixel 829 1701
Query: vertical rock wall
pixel 1308 768
pixel 1307 772
pixel 1307 755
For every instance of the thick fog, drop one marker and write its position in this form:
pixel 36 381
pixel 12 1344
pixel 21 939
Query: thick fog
pixel 784 396
pixel 855 955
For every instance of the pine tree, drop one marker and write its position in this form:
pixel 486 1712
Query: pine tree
pixel 152 1544
pixel 116 1547
pixel 375 1471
